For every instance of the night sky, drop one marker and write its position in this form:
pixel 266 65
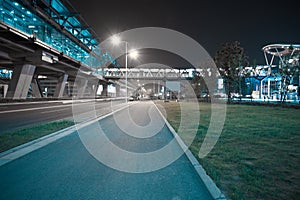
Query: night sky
pixel 253 23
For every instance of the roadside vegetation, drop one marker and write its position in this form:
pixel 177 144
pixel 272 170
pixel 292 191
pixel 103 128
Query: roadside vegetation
pixel 257 155
pixel 9 140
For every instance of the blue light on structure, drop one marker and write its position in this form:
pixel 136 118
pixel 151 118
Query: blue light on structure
pixel 4 73
pixel 23 19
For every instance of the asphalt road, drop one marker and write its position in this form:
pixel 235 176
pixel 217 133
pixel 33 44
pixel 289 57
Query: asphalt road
pixel 15 116
pixel 65 169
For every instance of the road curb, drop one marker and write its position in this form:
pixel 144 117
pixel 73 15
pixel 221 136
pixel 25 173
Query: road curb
pixel 208 182
pixel 22 150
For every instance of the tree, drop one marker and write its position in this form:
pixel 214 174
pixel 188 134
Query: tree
pixel 231 60
pixel 198 83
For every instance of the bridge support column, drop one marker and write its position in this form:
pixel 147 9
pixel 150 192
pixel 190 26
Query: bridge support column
pixel 179 91
pixel 158 87
pixel 165 88
pixel 60 87
pixel 4 89
pixel 36 88
pixel 81 85
pixel 20 82
pixel 161 84
pixel 94 85
pixel 95 89
pixel 153 87
pixel 104 91
pixel 118 88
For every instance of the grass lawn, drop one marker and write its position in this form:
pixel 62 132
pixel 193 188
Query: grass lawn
pixel 9 140
pixel 258 153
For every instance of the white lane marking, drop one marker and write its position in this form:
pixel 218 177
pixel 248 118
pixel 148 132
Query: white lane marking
pixel 51 111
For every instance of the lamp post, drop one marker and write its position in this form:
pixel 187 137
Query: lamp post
pixel 116 40
pixel 126 66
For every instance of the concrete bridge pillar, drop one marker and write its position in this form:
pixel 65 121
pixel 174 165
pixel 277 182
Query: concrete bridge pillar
pixel 20 82
pixel 104 91
pixel 118 90
pixel 3 88
pixel 94 85
pixel 36 88
pixel 81 86
pixel 165 88
pixel 95 89
pixel 161 85
pixel 60 87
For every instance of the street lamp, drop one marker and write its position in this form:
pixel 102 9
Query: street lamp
pixel 116 40
pixel 133 54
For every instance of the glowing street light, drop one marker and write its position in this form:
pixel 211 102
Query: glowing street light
pixel 115 40
pixel 134 54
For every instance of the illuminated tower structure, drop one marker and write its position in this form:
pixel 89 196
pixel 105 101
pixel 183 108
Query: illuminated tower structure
pixel 283 82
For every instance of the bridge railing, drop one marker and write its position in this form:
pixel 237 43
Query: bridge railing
pixel 147 73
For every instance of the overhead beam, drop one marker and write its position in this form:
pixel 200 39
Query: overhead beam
pixel 16 45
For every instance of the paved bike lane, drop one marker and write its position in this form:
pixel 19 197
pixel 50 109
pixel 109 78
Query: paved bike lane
pixel 65 169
